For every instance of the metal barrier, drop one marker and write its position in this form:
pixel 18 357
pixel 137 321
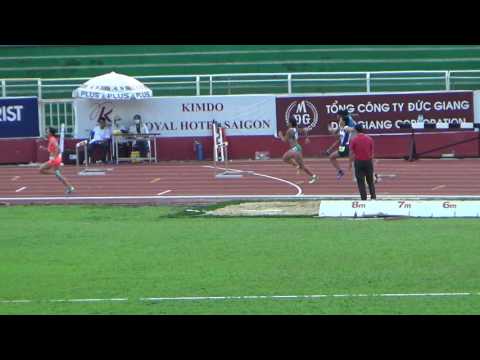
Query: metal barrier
pixel 258 83
pixel 56 112
pixel 56 105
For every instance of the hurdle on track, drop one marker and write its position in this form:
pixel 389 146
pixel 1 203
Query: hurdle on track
pixel 220 154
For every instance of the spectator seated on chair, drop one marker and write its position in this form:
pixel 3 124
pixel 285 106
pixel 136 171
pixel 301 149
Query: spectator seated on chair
pixel 100 139
pixel 141 145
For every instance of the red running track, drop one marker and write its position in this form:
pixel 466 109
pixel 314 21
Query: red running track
pixel 169 182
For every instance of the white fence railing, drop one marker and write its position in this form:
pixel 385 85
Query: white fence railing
pixel 56 105
pixel 56 112
pixel 261 83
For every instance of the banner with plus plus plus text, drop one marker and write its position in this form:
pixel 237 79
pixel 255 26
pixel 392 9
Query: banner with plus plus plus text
pixel 19 117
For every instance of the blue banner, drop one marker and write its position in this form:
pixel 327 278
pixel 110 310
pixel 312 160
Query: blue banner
pixel 19 117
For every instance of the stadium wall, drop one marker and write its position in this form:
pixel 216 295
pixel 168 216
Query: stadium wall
pixel 395 147
pixel 18 151
pixel 24 151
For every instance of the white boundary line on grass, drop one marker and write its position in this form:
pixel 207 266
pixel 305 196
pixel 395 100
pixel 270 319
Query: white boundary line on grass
pixel 243 197
pixel 245 297
pixel 88 300
pixel 296 297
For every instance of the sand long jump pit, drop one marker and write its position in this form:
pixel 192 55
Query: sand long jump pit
pixel 269 208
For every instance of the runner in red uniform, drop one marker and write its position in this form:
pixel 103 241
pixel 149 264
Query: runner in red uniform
pixel 55 161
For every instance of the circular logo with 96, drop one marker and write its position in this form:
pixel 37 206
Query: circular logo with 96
pixel 304 112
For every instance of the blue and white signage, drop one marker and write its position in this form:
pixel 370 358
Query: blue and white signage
pixel 19 117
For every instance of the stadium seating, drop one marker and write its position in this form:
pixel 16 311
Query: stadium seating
pixel 87 61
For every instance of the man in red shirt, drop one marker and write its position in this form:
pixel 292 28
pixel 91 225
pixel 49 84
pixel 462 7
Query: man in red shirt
pixel 361 148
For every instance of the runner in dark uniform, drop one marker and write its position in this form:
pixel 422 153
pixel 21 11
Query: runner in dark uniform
pixel 345 132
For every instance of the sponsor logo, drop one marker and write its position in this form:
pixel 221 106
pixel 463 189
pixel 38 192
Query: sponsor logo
pixel 11 113
pixel 91 94
pixel 304 112
pixel 207 125
pixel 142 95
pixel 102 111
pixel 202 107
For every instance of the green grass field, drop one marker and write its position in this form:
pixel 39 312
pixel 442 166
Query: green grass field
pixel 105 252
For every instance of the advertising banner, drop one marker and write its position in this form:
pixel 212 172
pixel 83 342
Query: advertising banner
pixel 19 117
pixel 182 116
pixel 379 113
pixel 476 100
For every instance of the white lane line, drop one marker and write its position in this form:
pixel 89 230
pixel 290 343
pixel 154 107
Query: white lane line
pixel 253 51
pixel 163 193
pixel 20 189
pixel 249 297
pixel 299 189
pixel 438 187
pixel 246 197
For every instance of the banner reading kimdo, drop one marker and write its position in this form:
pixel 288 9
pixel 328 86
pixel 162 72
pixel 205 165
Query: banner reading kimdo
pixel 183 116
pixel 19 117
pixel 379 113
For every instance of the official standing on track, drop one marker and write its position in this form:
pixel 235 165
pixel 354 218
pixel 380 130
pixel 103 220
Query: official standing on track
pixel 361 148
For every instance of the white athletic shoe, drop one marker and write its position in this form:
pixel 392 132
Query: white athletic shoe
pixel 313 179
pixel 69 190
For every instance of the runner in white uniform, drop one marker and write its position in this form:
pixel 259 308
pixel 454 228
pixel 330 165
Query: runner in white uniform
pixel 294 156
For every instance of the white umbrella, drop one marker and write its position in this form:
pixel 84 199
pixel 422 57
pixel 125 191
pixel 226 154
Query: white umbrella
pixel 112 86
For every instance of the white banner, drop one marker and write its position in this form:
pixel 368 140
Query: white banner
pixel 413 208
pixel 476 103
pixel 189 116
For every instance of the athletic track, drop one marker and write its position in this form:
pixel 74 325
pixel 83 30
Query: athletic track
pixel 194 182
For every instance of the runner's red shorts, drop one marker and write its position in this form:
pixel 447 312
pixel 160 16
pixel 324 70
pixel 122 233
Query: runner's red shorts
pixel 56 162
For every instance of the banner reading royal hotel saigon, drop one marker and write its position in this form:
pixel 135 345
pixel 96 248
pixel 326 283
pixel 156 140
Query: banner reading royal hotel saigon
pixel 183 116
pixel 379 113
